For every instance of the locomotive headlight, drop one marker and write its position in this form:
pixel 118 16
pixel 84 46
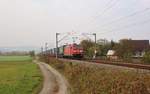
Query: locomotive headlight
pixel 74 51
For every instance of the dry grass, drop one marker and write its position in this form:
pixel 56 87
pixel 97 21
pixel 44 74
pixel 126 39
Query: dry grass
pixel 100 80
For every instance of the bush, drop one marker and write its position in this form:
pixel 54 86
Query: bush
pixel 127 57
pixel 146 57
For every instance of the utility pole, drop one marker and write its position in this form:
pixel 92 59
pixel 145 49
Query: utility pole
pixel 95 37
pixel 59 40
pixel 42 50
pixel 95 52
pixel 46 47
pixel 57 45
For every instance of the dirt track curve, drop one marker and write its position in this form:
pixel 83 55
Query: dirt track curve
pixel 54 82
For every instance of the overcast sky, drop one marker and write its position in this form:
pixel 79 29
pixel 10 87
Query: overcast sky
pixel 34 22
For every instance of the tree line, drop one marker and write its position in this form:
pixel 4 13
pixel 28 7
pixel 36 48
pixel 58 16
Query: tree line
pixel 18 53
pixel 124 49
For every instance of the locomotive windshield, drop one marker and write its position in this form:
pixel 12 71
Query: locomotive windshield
pixel 77 46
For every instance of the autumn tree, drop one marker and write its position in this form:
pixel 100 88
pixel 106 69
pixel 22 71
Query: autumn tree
pixel 124 49
pixel 88 47
pixel 146 57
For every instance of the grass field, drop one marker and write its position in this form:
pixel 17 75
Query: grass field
pixel 85 79
pixel 14 58
pixel 20 76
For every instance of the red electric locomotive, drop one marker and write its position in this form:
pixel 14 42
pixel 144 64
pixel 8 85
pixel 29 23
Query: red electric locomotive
pixel 73 50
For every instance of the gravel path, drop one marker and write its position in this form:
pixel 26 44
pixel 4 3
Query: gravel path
pixel 54 82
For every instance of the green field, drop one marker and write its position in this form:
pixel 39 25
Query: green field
pixel 20 76
pixel 14 58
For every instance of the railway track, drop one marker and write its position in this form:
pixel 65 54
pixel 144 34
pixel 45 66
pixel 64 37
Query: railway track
pixel 129 65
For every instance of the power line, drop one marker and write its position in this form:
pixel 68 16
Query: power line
pixel 63 38
pixel 128 16
pixel 127 26
pixel 105 9
pixel 121 18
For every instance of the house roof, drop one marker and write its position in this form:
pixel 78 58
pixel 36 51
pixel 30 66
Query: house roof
pixel 139 45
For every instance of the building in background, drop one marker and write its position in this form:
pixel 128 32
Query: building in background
pixel 102 41
pixel 139 47
pixel 111 54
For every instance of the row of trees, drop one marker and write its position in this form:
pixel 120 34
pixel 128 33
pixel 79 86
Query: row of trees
pixel 89 48
pixel 18 53
pixel 146 57
pixel 124 49
pixel 21 53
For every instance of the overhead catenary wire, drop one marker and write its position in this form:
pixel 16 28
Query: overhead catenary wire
pixel 63 38
pixel 66 38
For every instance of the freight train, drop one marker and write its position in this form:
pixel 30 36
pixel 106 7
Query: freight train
pixel 71 50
